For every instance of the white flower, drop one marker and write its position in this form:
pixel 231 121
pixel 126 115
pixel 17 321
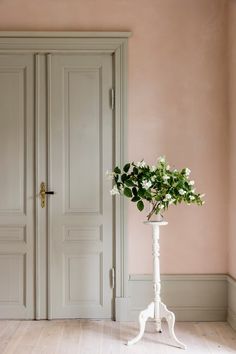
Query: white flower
pixel 191 183
pixel 165 178
pixel 161 206
pixel 168 196
pixel 191 197
pixel 153 168
pixel 114 191
pixel 167 167
pixel 121 189
pixel 171 201
pixel 181 192
pixel 153 178
pixel 187 171
pixel 110 175
pixel 146 184
pixel 202 195
pixel 193 190
pixel 141 164
pixel 161 159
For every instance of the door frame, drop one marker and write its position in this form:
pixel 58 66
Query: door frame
pixel 79 42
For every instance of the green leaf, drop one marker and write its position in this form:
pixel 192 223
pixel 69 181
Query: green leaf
pixel 129 183
pixel 135 170
pixel 117 170
pixel 124 177
pixel 126 167
pixel 141 192
pixel 148 194
pixel 135 199
pixel 134 190
pixel 148 198
pixel 127 192
pixel 140 205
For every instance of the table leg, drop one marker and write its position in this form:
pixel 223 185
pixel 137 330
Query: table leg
pixel 143 316
pixel 170 318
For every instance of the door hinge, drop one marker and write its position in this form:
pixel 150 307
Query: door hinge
pixel 113 278
pixel 112 97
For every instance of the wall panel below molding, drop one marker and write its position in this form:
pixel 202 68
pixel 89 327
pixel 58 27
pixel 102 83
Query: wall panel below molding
pixel 232 302
pixel 190 297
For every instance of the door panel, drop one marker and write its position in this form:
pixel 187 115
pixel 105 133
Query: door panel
pixel 16 186
pixel 82 126
pixel 80 212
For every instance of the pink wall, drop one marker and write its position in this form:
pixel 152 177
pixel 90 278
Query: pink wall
pixel 177 107
pixel 232 111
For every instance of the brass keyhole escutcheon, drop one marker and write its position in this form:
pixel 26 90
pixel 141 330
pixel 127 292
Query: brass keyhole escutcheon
pixel 43 192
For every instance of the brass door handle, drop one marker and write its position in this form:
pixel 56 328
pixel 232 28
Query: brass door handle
pixel 43 192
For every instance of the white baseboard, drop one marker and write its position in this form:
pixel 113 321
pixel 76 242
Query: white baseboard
pixel 190 297
pixel 231 302
pixel 122 308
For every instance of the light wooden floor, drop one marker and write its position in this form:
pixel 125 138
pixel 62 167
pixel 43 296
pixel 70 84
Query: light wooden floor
pixel 107 337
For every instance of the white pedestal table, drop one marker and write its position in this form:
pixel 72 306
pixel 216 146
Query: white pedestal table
pixel 157 310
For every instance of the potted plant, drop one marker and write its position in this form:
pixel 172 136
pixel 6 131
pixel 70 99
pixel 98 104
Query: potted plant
pixel 158 185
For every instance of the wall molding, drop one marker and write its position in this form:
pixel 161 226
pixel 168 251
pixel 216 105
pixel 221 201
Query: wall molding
pixel 231 318
pixel 57 41
pixel 65 34
pixel 192 297
pixel 122 309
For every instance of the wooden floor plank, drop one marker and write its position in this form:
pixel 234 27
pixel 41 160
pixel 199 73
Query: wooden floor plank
pixel 7 333
pixel 109 337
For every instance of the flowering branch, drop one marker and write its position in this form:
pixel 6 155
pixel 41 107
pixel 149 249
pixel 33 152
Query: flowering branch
pixel 158 185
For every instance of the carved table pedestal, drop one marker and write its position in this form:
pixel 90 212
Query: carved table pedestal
pixel 157 310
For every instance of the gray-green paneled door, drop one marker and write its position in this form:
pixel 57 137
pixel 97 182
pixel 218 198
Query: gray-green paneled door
pixel 16 186
pixel 79 215
pixel 81 210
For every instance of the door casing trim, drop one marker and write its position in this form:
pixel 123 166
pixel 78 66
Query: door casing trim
pixel 83 42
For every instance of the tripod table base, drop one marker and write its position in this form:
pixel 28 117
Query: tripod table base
pixel 164 313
